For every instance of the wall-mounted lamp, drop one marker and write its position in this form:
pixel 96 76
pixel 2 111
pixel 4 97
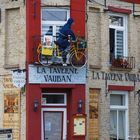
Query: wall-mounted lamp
pixel 106 87
pixel 135 12
pixel 136 92
pixel 80 105
pixel 35 105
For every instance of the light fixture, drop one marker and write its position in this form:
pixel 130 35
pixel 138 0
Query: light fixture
pixel 80 105
pixel 106 87
pixel 136 92
pixel 35 105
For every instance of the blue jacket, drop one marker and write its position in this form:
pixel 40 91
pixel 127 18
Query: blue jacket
pixel 63 35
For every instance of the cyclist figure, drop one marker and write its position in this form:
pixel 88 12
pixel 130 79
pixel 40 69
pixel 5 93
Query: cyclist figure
pixel 65 34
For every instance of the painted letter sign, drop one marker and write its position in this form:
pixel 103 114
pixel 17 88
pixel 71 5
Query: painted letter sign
pixel 56 75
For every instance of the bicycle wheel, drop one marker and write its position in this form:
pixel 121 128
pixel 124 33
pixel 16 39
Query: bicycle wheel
pixel 44 59
pixel 78 60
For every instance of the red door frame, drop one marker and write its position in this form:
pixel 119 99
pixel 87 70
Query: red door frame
pixel 33 119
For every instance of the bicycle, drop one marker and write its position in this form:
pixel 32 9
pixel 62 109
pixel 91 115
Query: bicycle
pixel 52 55
pixel 77 53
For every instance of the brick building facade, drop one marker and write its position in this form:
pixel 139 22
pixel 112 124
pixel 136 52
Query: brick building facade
pixel 108 89
pixel 55 94
pixel 113 69
pixel 12 46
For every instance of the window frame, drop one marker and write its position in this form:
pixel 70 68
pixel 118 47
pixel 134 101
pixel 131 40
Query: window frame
pixel 54 24
pixel 122 108
pixel 50 104
pixel 123 28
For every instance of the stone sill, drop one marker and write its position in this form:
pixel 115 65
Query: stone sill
pixel 120 69
pixel 11 66
pixel 95 66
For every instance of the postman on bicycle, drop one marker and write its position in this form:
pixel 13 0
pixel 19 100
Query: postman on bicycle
pixel 63 41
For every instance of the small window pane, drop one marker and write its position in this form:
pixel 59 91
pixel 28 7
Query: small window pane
pixel 119 43
pixel 57 30
pixel 117 124
pixel 121 125
pixel 113 124
pixel 117 99
pixel 47 30
pixel 52 125
pixel 54 15
pixel 116 20
pixel 52 99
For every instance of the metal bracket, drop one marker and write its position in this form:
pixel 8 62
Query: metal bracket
pixel 134 11
pixel 136 92
pixel 19 70
pixel 105 3
pixel 106 87
pixel 24 2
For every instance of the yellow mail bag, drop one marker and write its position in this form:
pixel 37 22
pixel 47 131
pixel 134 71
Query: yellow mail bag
pixel 47 51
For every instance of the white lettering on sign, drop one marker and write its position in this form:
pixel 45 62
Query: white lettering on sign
pixel 66 75
pixel 18 78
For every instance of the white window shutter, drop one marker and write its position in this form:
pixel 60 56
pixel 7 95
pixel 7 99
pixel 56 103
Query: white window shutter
pixel 119 43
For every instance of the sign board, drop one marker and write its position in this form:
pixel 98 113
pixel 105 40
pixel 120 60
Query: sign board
pixel 93 131
pixel 12 111
pixel 79 125
pixel 18 78
pixel 6 134
pixel 56 75
pixel 116 76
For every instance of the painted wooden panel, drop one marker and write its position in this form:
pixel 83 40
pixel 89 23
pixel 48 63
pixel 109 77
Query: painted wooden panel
pixel 94 114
